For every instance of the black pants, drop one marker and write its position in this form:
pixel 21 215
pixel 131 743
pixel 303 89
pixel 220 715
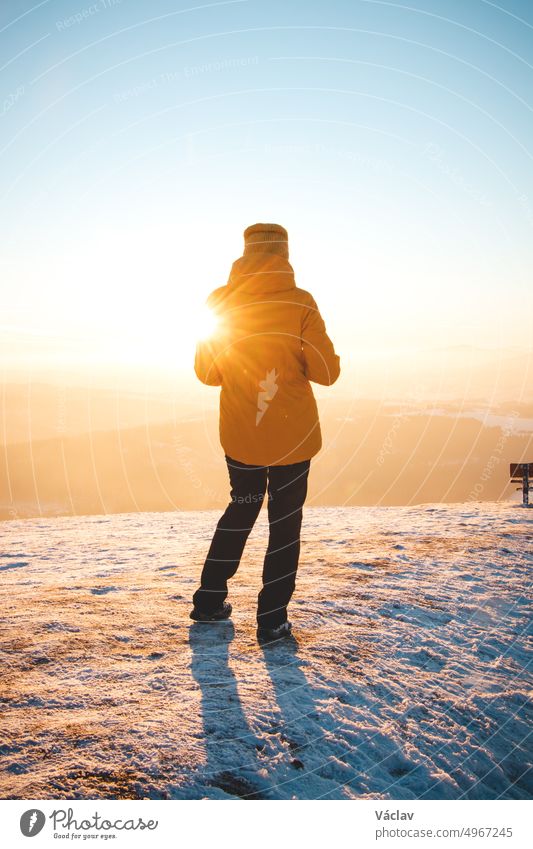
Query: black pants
pixel 287 488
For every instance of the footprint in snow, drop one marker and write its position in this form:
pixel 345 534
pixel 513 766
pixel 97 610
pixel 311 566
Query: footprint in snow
pixel 234 785
pixel 103 590
pixel 40 660
pixel 426 660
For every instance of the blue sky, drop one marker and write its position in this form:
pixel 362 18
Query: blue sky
pixel 139 139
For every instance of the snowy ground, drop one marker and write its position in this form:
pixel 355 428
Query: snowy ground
pixel 408 677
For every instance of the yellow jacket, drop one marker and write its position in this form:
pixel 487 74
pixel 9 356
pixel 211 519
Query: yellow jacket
pixel 270 341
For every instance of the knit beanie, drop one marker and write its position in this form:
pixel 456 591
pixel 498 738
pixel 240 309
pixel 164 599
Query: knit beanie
pixel 269 238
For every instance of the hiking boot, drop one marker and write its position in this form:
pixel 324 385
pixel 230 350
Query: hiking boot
pixel 223 612
pixel 270 634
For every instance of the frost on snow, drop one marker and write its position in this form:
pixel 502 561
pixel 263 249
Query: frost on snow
pixel 407 679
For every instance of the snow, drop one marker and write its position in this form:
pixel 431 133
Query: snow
pixel 407 677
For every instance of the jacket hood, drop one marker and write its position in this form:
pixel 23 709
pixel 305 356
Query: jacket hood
pixel 261 273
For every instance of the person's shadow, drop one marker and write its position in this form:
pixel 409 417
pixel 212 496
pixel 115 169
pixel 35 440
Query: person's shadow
pixel 231 746
pixel 299 724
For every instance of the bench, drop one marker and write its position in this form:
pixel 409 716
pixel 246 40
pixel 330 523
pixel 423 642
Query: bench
pixel 522 472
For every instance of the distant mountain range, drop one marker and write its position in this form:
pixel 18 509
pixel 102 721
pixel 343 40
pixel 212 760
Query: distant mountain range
pixel 70 451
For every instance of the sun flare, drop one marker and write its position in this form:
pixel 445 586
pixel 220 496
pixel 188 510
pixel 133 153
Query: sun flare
pixel 204 322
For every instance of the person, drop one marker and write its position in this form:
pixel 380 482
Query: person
pixel 269 342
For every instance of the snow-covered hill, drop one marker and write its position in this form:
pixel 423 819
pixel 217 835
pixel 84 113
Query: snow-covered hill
pixel 407 677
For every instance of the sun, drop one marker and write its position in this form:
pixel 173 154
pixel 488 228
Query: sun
pixel 204 323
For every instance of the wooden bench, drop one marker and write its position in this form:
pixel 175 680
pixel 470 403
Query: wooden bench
pixel 522 472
